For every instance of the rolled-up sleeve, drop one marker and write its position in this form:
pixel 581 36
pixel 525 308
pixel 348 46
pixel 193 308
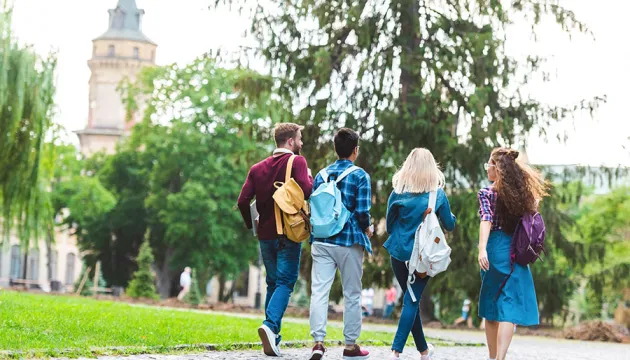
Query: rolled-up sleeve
pixel 486 206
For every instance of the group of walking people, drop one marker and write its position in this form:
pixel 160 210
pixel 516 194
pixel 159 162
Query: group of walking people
pixel 515 190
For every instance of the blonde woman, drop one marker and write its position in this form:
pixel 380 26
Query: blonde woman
pixel 406 208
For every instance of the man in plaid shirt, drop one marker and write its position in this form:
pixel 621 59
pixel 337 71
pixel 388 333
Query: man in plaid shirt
pixel 343 251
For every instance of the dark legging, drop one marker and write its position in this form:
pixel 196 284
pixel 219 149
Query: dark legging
pixel 410 318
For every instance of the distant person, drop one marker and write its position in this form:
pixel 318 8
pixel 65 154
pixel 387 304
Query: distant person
pixel 280 255
pixel 367 301
pixel 390 301
pixel 184 282
pixel 516 190
pixel 407 204
pixel 465 314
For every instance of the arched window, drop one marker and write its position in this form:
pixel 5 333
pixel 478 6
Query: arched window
pixel 111 50
pixel 16 262
pixel 136 53
pixel 70 269
pixel 33 264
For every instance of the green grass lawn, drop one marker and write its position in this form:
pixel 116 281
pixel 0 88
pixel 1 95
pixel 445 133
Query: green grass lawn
pixel 44 325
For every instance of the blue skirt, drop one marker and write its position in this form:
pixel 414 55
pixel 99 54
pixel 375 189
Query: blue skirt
pixel 516 303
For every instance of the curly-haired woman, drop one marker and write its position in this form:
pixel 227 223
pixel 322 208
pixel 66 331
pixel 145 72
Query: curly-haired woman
pixel 516 190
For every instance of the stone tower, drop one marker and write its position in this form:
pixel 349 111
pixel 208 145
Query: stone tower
pixel 122 51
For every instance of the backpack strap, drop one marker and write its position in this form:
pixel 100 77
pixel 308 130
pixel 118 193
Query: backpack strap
pixel 324 174
pixel 433 200
pixel 287 177
pixel 347 172
pixel 279 227
pixel 276 208
pixel 496 297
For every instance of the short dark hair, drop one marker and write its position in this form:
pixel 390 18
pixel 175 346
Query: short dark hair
pixel 346 140
pixel 285 131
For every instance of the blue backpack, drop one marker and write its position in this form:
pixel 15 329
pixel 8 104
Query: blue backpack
pixel 328 214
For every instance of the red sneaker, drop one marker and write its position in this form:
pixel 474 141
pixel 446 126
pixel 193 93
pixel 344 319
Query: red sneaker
pixel 356 354
pixel 318 352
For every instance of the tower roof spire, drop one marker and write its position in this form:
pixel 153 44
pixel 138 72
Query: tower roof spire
pixel 125 23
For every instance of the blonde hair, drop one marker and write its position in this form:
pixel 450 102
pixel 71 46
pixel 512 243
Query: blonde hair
pixel 418 174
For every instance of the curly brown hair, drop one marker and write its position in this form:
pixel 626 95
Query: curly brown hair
pixel 519 187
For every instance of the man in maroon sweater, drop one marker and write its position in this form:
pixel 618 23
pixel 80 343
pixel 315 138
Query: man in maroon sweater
pixel 280 255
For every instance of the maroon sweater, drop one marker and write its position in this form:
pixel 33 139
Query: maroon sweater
pixel 259 184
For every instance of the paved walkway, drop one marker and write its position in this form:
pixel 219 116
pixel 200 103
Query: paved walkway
pixel 523 348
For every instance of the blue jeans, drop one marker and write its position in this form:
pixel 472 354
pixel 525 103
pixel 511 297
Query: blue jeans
pixel 410 317
pixel 282 264
pixel 389 309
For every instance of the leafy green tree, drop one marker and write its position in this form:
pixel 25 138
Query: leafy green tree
pixel 142 284
pixel 603 229
pixel 181 170
pixel 405 74
pixel 26 107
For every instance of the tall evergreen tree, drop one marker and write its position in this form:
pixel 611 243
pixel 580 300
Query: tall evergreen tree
pixel 194 295
pixel 405 74
pixel 142 284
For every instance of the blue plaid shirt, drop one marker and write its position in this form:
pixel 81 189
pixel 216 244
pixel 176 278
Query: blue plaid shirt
pixel 356 195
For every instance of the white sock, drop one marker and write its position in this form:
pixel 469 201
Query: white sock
pixel 425 357
pixel 491 359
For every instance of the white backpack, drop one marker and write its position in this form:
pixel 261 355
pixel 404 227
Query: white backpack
pixel 431 254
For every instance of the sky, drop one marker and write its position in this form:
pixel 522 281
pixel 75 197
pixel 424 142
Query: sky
pixel 582 66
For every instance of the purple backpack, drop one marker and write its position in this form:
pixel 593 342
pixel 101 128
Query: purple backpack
pixel 528 240
pixel 527 243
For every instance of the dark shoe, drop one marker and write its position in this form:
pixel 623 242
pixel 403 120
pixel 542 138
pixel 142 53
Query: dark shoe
pixel 268 339
pixel 318 352
pixel 356 354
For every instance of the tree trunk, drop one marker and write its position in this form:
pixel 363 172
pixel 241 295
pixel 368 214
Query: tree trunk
pixel 49 250
pixel 230 294
pixel 25 266
pixel 225 296
pixel 164 275
pixel 410 86
pixel 221 287
pixel 202 281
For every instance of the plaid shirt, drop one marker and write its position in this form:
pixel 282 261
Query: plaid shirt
pixel 356 195
pixel 487 206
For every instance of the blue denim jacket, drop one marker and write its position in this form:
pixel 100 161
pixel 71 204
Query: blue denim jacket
pixel 404 214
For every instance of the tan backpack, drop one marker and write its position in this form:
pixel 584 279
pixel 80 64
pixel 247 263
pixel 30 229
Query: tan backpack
pixel 291 210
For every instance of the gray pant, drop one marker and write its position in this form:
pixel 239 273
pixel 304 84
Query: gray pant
pixel 326 260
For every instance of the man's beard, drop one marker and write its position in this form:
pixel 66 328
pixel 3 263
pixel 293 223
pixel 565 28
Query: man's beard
pixel 296 150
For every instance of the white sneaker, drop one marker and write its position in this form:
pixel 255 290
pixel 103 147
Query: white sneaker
pixel 393 357
pixel 268 339
pixel 431 349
